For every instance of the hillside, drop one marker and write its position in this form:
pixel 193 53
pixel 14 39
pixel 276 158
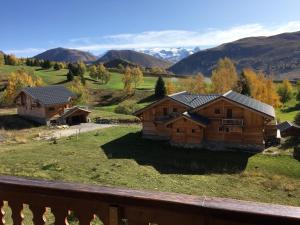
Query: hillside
pixel 278 55
pixel 134 57
pixel 66 55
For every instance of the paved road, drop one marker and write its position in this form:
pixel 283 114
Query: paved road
pixel 76 129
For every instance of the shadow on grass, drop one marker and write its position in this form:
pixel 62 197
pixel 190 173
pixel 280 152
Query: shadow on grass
pixel 291 109
pixel 61 82
pixel 14 122
pixel 171 160
pixel 150 98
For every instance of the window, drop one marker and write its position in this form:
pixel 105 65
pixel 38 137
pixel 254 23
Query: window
pixel 193 131
pixel 217 111
pixel 220 129
pixel 165 111
pixel 51 109
pixel 169 126
pixel 178 131
pixel 227 129
pixel 175 110
pixel 229 113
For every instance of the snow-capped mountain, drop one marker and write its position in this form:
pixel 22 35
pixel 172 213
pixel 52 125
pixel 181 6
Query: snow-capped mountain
pixel 170 54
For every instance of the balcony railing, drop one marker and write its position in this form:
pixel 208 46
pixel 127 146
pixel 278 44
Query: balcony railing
pixel 115 206
pixel 232 122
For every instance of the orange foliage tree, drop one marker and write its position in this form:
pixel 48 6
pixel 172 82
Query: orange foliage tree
pixel 262 88
pixel 17 81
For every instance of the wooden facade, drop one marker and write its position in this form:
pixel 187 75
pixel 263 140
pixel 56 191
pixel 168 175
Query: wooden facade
pixel 229 123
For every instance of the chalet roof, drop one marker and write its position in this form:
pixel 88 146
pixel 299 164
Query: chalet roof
pixel 193 100
pixel 50 95
pixel 250 103
pixel 72 110
pixel 286 125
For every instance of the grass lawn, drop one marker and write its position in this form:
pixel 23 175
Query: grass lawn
pixel 119 157
pixel 289 110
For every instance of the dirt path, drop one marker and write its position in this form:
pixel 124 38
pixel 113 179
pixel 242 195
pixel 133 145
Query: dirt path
pixel 74 130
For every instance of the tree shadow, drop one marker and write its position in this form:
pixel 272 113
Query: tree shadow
pixel 171 160
pixel 150 98
pixel 61 82
pixel 15 122
pixel 289 142
pixel 291 109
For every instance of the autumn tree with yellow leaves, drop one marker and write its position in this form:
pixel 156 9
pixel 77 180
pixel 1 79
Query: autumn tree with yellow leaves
pixel 17 81
pixel 131 79
pixel 170 87
pixel 224 76
pixel 285 91
pixel 262 88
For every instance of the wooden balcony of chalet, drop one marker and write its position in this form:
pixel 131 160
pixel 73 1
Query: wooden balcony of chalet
pixel 232 122
pixel 115 206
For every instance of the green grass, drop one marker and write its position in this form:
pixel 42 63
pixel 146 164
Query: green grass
pixel 289 110
pixel 119 157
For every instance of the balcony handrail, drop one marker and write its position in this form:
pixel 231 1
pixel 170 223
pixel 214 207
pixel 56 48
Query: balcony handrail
pixel 232 121
pixel 121 203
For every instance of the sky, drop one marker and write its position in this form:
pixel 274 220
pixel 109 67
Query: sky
pixel 33 26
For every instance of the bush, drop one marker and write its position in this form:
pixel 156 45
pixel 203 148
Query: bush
pixel 127 107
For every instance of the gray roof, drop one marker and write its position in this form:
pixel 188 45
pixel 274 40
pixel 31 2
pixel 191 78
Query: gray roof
pixel 50 95
pixel 197 100
pixel 286 125
pixel 250 103
pixel 193 100
pixel 69 111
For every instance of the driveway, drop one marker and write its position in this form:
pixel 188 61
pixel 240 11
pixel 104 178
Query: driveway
pixel 73 130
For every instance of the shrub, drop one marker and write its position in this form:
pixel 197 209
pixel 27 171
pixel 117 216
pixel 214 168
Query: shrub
pixel 127 107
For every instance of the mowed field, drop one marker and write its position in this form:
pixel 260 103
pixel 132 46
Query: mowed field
pixel 119 157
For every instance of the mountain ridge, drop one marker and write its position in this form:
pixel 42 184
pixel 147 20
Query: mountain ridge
pixel 134 57
pixel 66 55
pixel 277 55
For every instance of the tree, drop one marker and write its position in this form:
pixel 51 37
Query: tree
pixel 137 77
pixel 11 60
pixel 58 66
pixel 285 91
pixel 193 84
pixel 242 85
pixel 160 88
pixel 75 69
pixel 17 81
pixel 224 77
pixel 80 91
pixel 170 87
pixel 262 88
pixel 46 64
pixel 93 72
pixel 81 68
pixel 127 81
pixel 2 62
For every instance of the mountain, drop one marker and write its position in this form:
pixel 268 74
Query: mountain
pixel 171 54
pixel 116 62
pixel 134 57
pixel 66 55
pixel 277 55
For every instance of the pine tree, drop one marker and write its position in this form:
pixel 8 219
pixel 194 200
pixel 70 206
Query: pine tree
pixel 242 85
pixel 160 88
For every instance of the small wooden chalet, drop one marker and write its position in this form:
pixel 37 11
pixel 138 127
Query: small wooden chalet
pixel 210 120
pixel 289 129
pixel 50 105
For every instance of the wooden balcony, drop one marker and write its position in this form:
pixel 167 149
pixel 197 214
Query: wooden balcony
pixel 115 206
pixel 232 122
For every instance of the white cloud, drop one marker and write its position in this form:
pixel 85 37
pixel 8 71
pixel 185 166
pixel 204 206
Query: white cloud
pixel 24 52
pixel 183 38
pixel 167 38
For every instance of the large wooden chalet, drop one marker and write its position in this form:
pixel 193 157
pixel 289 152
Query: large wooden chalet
pixel 210 120
pixel 50 105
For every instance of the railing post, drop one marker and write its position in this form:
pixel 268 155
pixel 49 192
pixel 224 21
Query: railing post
pixel 113 215
pixel 2 213
pixel 60 215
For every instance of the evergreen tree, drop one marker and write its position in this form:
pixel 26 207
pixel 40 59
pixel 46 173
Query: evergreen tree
pixel 160 88
pixel 242 85
pixel 46 64
pixel 70 75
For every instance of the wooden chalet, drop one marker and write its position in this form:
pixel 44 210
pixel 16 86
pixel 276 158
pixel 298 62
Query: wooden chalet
pixel 210 120
pixel 50 105
pixel 289 129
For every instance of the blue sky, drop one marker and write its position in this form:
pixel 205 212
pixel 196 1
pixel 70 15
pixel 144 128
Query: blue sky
pixel 31 26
